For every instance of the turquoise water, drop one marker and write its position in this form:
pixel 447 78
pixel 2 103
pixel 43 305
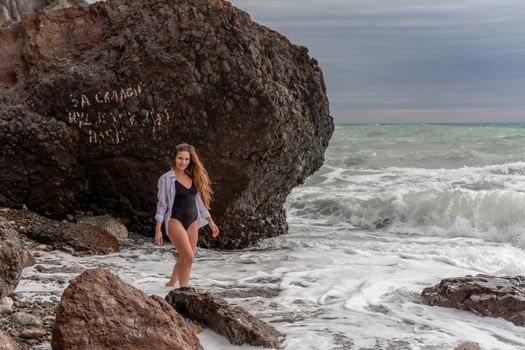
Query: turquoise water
pixel 426 145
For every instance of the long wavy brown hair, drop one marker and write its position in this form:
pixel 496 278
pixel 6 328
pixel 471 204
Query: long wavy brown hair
pixel 196 172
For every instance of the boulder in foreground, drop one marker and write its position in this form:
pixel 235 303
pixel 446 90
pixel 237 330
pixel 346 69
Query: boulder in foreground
pixel 484 295
pixel 100 311
pixel 76 239
pixel 234 322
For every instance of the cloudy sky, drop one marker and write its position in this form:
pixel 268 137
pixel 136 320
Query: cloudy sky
pixel 410 60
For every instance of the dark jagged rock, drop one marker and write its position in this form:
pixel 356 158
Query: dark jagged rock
pixel 233 322
pixel 94 99
pixel 77 239
pixel 99 311
pixel 11 258
pixel 483 295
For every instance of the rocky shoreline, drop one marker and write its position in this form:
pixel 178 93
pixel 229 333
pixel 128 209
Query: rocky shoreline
pixel 29 322
pixel 50 317
pixel 30 319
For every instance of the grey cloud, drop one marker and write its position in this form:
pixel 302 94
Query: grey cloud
pixel 455 59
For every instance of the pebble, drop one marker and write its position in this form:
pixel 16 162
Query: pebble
pixel 196 327
pixel 40 254
pixel 16 296
pixel 6 301
pixel 33 333
pixel 49 318
pixel 21 303
pixel 64 261
pixel 5 310
pixel 23 319
pixel 42 247
pixel 3 321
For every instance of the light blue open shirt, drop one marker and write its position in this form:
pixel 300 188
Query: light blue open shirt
pixel 165 196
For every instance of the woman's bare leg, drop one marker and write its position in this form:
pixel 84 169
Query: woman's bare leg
pixel 174 276
pixel 180 240
pixel 193 235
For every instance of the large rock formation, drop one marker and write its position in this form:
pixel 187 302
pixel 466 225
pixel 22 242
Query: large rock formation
pixel 76 239
pixel 483 295
pixel 99 311
pixel 235 323
pixel 94 99
pixel 11 258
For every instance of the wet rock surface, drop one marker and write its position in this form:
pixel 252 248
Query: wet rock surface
pixel 235 323
pixel 94 98
pixel 99 311
pixel 484 295
pixel 11 258
pixel 76 239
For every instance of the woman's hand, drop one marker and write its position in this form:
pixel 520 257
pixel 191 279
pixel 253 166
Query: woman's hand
pixel 158 238
pixel 214 229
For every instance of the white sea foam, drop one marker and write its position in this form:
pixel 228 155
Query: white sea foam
pixel 485 202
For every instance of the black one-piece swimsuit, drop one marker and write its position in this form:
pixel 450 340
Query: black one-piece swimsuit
pixel 184 204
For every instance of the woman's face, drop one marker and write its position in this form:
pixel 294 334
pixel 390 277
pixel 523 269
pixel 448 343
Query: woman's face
pixel 182 160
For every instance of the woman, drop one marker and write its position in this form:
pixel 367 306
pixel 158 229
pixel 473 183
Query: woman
pixel 184 196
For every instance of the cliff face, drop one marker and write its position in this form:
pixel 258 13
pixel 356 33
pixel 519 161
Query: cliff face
pixel 93 100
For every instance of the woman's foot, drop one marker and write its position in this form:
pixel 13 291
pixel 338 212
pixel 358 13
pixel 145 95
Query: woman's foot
pixel 170 283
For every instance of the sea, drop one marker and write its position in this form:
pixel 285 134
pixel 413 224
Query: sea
pixel 394 209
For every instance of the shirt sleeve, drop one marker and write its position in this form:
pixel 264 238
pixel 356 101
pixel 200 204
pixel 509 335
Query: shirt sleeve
pixel 204 213
pixel 162 200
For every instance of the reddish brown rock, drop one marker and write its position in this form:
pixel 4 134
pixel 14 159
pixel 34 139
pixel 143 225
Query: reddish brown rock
pixel 484 295
pixel 11 258
pixel 235 323
pixel 76 239
pixel 6 343
pixel 99 311
pixel 93 100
